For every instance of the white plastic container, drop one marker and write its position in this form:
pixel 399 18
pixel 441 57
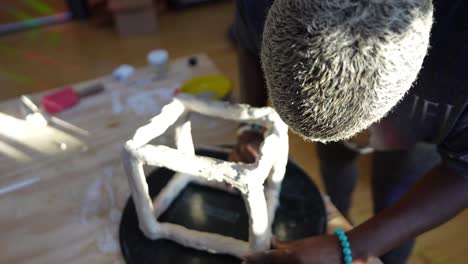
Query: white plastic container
pixel 159 60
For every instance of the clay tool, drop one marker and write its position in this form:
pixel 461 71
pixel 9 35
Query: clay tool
pixel 31 112
pixel 18 185
pixel 67 97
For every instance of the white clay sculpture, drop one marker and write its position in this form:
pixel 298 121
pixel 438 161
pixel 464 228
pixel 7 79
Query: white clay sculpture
pixel 259 183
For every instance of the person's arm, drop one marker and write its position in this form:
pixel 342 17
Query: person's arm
pixel 429 203
pixel 253 92
pixel 248 27
pixel 433 200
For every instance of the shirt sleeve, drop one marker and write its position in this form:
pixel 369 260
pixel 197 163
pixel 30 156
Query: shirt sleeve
pixel 454 148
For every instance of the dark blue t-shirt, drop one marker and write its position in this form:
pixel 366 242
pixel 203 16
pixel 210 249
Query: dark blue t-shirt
pixel 435 109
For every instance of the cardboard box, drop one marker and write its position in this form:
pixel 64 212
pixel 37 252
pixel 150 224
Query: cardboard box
pixel 134 17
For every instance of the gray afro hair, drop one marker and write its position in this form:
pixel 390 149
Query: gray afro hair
pixel 334 67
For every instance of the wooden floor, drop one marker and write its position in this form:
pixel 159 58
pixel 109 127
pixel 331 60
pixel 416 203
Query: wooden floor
pixel 64 54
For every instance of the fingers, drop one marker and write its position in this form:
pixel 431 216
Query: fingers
pixel 244 153
pixel 268 257
pixel 253 151
pixel 233 156
pixel 238 155
pixel 248 153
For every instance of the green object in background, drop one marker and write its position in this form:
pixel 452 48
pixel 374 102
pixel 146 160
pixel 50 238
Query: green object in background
pixel 208 86
pixel 40 7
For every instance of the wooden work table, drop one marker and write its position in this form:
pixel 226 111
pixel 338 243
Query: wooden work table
pixel 62 186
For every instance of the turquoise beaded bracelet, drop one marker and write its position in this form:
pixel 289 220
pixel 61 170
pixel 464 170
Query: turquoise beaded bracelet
pixel 348 259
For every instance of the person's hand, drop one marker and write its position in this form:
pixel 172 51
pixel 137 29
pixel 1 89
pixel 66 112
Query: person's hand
pixel 247 148
pixel 314 250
